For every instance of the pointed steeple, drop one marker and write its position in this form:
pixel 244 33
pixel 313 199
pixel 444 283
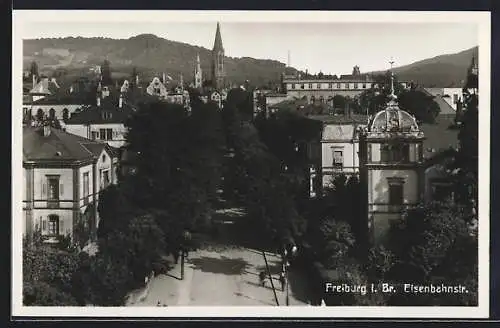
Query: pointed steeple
pixel 218 39
pixel 198 64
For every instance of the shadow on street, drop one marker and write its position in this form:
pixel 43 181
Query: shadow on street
pixel 224 265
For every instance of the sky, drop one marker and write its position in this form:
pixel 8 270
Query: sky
pixel 329 47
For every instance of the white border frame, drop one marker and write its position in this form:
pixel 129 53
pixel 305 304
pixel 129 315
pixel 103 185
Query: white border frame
pixel 483 21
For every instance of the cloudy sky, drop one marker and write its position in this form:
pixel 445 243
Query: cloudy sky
pixel 326 45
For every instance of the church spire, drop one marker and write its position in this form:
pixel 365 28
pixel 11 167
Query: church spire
pixel 218 39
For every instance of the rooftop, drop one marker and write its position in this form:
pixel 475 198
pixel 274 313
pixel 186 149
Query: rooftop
pixel 107 113
pixel 58 145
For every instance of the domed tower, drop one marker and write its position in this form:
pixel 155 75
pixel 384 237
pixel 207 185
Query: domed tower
pixel 218 72
pixel 390 166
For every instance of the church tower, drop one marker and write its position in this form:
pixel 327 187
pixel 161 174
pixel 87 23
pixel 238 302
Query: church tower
pixel 218 73
pixel 198 75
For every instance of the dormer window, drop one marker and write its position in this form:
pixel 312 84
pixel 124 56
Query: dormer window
pixel 106 115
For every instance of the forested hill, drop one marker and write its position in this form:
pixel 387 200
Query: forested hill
pixel 151 55
pixel 441 71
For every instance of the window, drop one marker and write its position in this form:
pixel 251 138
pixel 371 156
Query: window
pixel 339 86
pixel 106 115
pixel 106 134
pixel 395 153
pixel 104 177
pixel 53 191
pixel 355 85
pixel 86 187
pixel 302 86
pixel 310 85
pixel 364 86
pixel 330 85
pixel 338 158
pixel 455 98
pixel 319 85
pixel 347 85
pixel 95 135
pixel 109 134
pixel 52 113
pixel 396 193
pixel 53 226
pixel 293 86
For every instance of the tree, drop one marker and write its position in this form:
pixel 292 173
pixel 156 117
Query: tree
pixel 414 101
pixel 47 273
pixel 433 244
pixel 419 104
pixel 34 69
pixel 106 73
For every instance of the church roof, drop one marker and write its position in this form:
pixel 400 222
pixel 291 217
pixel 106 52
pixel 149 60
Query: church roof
pixel 45 86
pixel 95 114
pixel 218 39
pixel 393 119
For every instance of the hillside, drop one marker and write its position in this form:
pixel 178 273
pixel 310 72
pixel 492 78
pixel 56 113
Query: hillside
pixel 150 54
pixel 441 71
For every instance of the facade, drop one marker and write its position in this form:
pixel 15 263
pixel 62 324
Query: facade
pixel 103 122
pixel 61 108
pixel 62 177
pixel 218 69
pixel 391 167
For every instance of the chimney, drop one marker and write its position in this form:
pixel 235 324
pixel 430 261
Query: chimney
pixel 120 102
pixel 46 130
pixel 34 80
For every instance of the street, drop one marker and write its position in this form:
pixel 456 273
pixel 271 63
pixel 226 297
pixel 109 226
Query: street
pixel 222 277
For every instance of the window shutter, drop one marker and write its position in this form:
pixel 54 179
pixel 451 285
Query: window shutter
pixel 61 189
pixel 61 227
pixel 44 225
pixel 44 190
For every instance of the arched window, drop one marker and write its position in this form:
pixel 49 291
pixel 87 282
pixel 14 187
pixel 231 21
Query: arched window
pixel 53 225
pixel 52 113
pixel 65 114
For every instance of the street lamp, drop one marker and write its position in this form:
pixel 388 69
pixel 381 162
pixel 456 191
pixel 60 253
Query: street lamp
pixel 186 237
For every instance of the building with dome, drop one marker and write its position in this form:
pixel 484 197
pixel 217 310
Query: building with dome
pixel 391 166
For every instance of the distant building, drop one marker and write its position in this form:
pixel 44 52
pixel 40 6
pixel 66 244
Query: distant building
pixel 198 74
pixel 62 177
pixel 103 122
pixel 43 88
pixel 218 67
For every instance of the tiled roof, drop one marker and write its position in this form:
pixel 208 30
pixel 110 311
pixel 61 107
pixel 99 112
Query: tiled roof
pixel 60 100
pixel 58 145
pixel 94 114
pixel 341 119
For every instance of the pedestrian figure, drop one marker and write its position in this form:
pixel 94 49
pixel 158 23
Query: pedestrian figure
pixel 282 281
pixel 262 278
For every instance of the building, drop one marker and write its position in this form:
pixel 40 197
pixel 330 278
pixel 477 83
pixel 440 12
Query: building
pixel 198 74
pixel 391 166
pixel 43 88
pixel 62 177
pixel 104 121
pixel 52 107
pixel 218 68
